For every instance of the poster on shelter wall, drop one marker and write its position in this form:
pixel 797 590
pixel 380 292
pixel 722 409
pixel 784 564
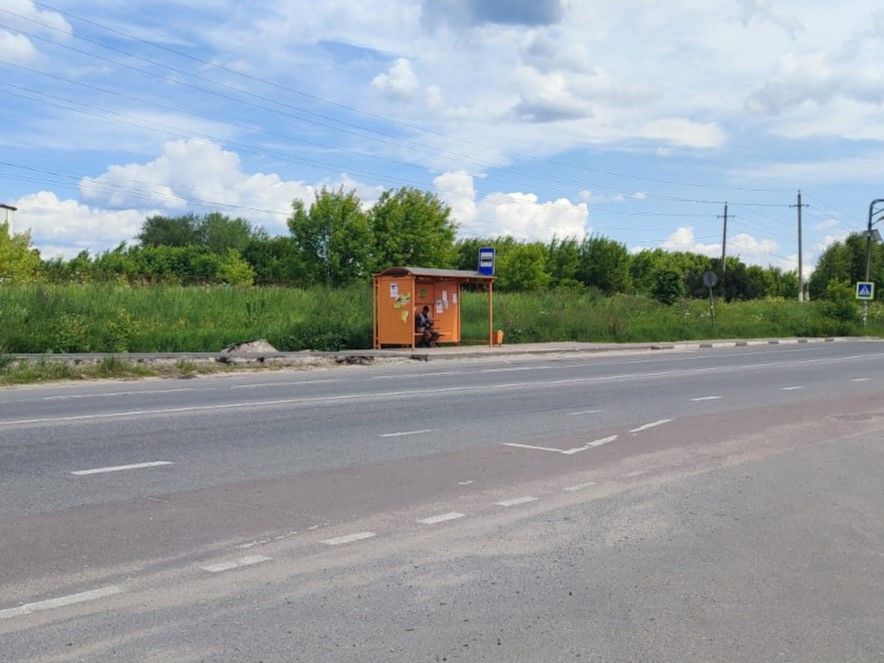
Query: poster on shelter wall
pixel 454 298
pixel 439 307
pixel 394 290
pixel 445 298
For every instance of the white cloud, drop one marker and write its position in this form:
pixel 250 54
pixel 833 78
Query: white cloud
pixel 193 175
pixel 24 15
pixel 66 227
pixel 197 173
pixel 749 249
pixel 399 82
pixel 867 168
pixel 16 48
pixel 521 215
pixel 828 224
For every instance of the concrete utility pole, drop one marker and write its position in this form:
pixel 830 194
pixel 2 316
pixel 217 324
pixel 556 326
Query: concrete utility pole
pixel 800 262
pixel 723 245
pixel 9 210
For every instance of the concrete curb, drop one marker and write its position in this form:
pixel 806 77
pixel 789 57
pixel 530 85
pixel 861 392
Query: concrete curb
pixel 308 358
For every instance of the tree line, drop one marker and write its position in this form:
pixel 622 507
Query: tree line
pixel 335 242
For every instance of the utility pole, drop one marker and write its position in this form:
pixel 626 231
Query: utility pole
pixel 723 245
pixel 9 210
pixel 800 263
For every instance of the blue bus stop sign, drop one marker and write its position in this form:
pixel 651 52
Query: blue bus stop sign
pixel 865 290
pixel 486 261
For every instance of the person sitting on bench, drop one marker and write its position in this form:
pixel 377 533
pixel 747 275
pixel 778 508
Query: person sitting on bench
pixel 424 326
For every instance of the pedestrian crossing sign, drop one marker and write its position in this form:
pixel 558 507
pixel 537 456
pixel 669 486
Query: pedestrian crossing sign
pixel 865 290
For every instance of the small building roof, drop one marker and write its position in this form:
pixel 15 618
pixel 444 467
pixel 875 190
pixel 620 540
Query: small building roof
pixel 429 272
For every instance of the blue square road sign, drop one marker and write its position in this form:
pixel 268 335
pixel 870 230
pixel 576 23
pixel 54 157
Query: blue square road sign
pixel 865 290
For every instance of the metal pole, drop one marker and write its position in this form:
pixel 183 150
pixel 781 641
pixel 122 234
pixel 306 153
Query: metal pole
pixel 869 253
pixel 490 314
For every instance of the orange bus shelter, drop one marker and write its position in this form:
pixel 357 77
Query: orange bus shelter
pixel 400 293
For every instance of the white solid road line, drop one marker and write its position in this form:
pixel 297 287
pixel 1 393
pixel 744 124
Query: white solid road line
pixel 653 424
pixel 442 518
pixel 514 368
pixel 707 398
pixel 517 501
pixel 282 384
pixel 796 388
pixel 579 486
pixel 409 432
pixel 120 468
pixel 415 393
pixel 118 393
pixel 574 414
pixel 251 560
pixel 349 538
pixel 59 602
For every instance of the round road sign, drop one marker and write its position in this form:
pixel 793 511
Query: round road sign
pixel 710 279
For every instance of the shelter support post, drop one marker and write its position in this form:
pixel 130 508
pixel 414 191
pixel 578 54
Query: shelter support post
pixel 490 314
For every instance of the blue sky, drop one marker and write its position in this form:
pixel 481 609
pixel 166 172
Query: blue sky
pixel 632 119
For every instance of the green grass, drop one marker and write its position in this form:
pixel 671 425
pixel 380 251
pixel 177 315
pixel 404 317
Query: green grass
pixel 95 318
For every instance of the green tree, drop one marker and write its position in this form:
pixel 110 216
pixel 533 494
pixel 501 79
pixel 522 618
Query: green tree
pixel 275 261
pixel 523 267
pixel 19 261
pixel 563 261
pixel 219 233
pixel 412 227
pixel 667 285
pixel 170 230
pixel 604 264
pixel 332 237
pixel 846 261
pixel 235 270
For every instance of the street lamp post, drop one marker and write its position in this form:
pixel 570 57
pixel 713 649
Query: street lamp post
pixel 869 251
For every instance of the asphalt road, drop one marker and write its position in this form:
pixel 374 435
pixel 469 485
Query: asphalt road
pixel 673 506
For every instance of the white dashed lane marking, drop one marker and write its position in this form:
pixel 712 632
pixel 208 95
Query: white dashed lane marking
pixel 579 486
pixel 860 380
pixel 442 518
pixel 235 564
pixel 121 468
pixel 653 424
pixel 516 501
pixel 349 538
pixel 59 602
pixel 575 414
pixel 795 388
pixel 707 398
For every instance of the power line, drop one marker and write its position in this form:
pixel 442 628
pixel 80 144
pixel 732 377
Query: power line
pixel 323 100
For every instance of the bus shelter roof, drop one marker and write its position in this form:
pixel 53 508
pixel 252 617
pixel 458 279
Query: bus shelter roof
pixel 429 272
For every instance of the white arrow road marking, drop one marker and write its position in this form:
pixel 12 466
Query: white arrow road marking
pixel 565 452
pixel 120 468
pixel 653 424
